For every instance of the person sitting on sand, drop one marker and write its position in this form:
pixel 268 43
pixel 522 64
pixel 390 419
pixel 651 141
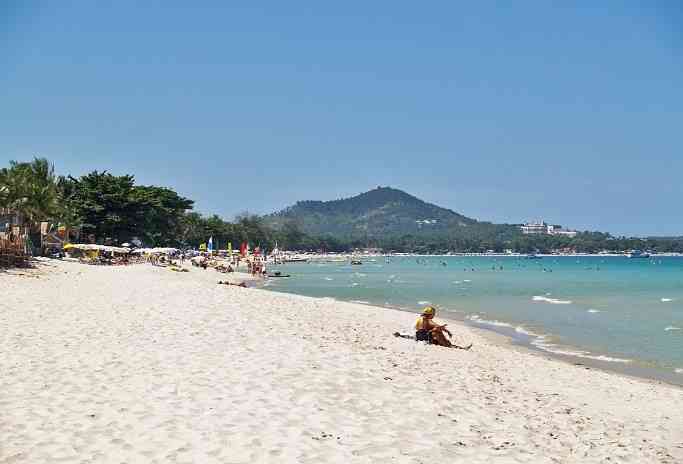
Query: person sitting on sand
pixel 429 331
pixel 241 284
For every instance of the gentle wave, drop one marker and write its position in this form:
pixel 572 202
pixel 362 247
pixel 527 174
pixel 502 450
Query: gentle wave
pixel 467 280
pixel 666 300
pixel 523 331
pixel 594 311
pixel 519 329
pixel 359 302
pixel 541 343
pixel 678 371
pixel 355 284
pixel 671 327
pixel 479 320
pixel 545 299
pixel 424 302
pixel 329 278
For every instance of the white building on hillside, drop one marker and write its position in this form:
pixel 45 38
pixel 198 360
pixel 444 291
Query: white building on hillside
pixel 541 228
pixel 535 228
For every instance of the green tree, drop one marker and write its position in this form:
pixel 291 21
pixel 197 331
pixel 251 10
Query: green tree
pixel 113 206
pixel 158 214
pixel 30 189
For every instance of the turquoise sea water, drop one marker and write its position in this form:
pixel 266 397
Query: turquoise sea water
pixel 612 309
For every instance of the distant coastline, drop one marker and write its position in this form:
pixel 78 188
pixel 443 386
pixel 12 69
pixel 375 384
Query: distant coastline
pixel 311 255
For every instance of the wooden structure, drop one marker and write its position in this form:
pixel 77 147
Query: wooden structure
pixel 13 249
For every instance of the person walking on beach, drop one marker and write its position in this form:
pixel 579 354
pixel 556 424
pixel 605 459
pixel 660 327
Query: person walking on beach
pixel 429 331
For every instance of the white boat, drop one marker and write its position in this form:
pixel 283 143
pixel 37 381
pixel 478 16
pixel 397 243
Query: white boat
pixel 637 254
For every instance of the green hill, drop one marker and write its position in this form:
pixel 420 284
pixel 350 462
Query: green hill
pixel 382 213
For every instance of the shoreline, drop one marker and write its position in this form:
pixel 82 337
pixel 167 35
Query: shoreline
pixel 543 342
pixel 507 336
pixel 633 369
pixel 141 364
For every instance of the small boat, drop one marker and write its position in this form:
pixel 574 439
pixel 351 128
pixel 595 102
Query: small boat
pixel 356 262
pixel 295 260
pixel 278 274
pixel 637 254
pixel 533 256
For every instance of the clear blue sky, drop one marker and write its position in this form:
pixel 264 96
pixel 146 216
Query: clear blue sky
pixel 503 111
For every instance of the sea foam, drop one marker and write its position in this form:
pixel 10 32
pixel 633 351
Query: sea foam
pixel 541 344
pixel 494 323
pixel 523 331
pixel 671 327
pixel 666 300
pixel 594 310
pixel 545 299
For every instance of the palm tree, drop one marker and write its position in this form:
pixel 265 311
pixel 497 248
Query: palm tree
pixel 4 190
pixel 66 213
pixel 29 189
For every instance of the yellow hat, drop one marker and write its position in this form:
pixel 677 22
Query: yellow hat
pixel 428 311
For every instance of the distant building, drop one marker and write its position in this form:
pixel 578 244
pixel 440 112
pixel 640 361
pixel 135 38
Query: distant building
pixel 535 228
pixel 558 230
pixel 541 228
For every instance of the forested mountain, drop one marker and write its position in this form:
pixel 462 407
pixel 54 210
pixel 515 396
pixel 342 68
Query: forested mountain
pixel 107 207
pixel 384 213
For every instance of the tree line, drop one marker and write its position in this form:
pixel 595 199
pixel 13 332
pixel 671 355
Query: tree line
pixel 114 208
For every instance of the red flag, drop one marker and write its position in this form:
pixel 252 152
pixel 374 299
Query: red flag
pixel 257 251
pixel 243 249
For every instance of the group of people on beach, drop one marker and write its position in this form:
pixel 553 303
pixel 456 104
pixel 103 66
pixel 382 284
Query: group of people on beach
pixel 257 268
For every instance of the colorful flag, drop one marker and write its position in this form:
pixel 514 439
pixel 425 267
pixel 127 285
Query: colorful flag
pixel 230 248
pixel 210 247
pixel 243 249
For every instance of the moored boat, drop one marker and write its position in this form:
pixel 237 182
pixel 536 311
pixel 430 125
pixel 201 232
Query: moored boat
pixel 637 254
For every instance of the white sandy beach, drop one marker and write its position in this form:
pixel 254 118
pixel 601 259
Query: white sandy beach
pixel 139 364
